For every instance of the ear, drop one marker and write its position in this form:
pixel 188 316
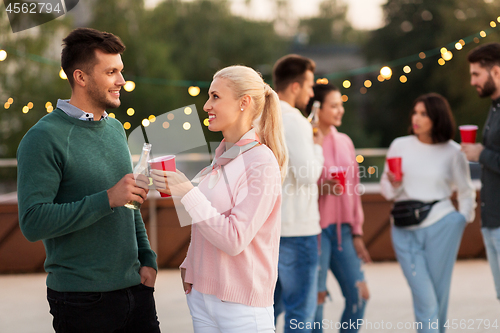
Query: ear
pixel 495 72
pixel 79 77
pixel 245 102
pixel 296 87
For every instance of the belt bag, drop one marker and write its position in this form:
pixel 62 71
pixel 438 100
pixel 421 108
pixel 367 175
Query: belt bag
pixel 411 212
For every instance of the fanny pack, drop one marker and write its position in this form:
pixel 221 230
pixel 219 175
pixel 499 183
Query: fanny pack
pixel 411 212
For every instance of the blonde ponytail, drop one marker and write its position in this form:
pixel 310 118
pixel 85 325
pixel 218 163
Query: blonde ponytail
pixel 271 129
pixel 266 109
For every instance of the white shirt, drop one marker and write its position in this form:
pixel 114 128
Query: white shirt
pixel 299 210
pixel 431 172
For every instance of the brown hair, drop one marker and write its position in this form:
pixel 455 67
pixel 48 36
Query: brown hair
pixel 487 55
pixel 289 69
pixel 320 92
pixel 79 49
pixel 439 111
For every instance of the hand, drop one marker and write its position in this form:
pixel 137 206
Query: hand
pixel 171 183
pixel 129 188
pixel 393 181
pixel 318 136
pixel 472 151
pixel 187 286
pixel 359 246
pixel 148 276
pixel 328 187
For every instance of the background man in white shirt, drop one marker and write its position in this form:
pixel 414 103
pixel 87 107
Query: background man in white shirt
pixel 296 289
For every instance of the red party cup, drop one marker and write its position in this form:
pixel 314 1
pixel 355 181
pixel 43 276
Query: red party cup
pixel 468 133
pixel 338 173
pixel 166 163
pixel 394 164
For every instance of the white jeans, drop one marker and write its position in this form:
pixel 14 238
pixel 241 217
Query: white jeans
pixel 211 315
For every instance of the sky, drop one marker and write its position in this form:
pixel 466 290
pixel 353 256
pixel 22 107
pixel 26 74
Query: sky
pixel 363 14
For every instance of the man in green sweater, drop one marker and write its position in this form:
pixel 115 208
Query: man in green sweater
pixel 74 176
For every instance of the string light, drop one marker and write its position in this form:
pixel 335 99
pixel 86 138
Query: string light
pixel 482 34
pixel 493 24
pixel 10 100
pixel 346 84
pixel 421 55
pixel 26 109
pixel 62 75
pixel 186 126
pixel 6 105
pixel 447 56
pixel 50 108
pixel 407 69
pixel 30 105
pixel 48 104
pixel 206 122
pixel 3 55
pixel 188 111
pixel 403 78
pixel 129 86
pixel 194 91
pixel 441 61
pixel 386 72
pixel 368 83
pixel 360 158
pixel 380 78
pixel 145 122
pixel 458 46
pixel 130 112
pixel 165 125
pixel 363 90
pixel 111 115
pixel 127 125
pixel 345 98
pixel 152 118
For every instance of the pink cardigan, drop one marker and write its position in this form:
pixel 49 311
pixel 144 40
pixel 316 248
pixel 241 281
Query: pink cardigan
pixel 338 151
pixel 235 234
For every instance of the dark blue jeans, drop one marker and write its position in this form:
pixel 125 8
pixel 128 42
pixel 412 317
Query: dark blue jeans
pixel 129 310
pixel 297 287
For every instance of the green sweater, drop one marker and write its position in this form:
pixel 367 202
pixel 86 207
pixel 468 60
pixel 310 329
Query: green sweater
pixel 65 166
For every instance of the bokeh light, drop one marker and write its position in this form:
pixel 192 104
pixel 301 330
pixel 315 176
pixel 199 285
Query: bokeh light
pixel 129 86
pixel 130 112
pixel 194 91
pixel 3 55
pixel 63 75
pixel 368 83
pixel 188 111
pixel 186 126
pixel 145 122
pixel 127 125
pixel 346 84
pixel 111 115
pixel 166 124
pixel 407 69
pixel 360 158
pixel 152 118
pixel 386 72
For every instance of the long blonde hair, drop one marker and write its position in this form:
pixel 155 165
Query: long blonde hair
pixel 266 109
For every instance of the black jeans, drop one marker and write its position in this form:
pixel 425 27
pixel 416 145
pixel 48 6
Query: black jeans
pixel 129 310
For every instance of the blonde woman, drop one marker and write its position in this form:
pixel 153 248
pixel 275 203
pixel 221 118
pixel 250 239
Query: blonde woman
pixel 230 271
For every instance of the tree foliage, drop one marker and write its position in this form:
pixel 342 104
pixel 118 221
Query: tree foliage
pixel 413 26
